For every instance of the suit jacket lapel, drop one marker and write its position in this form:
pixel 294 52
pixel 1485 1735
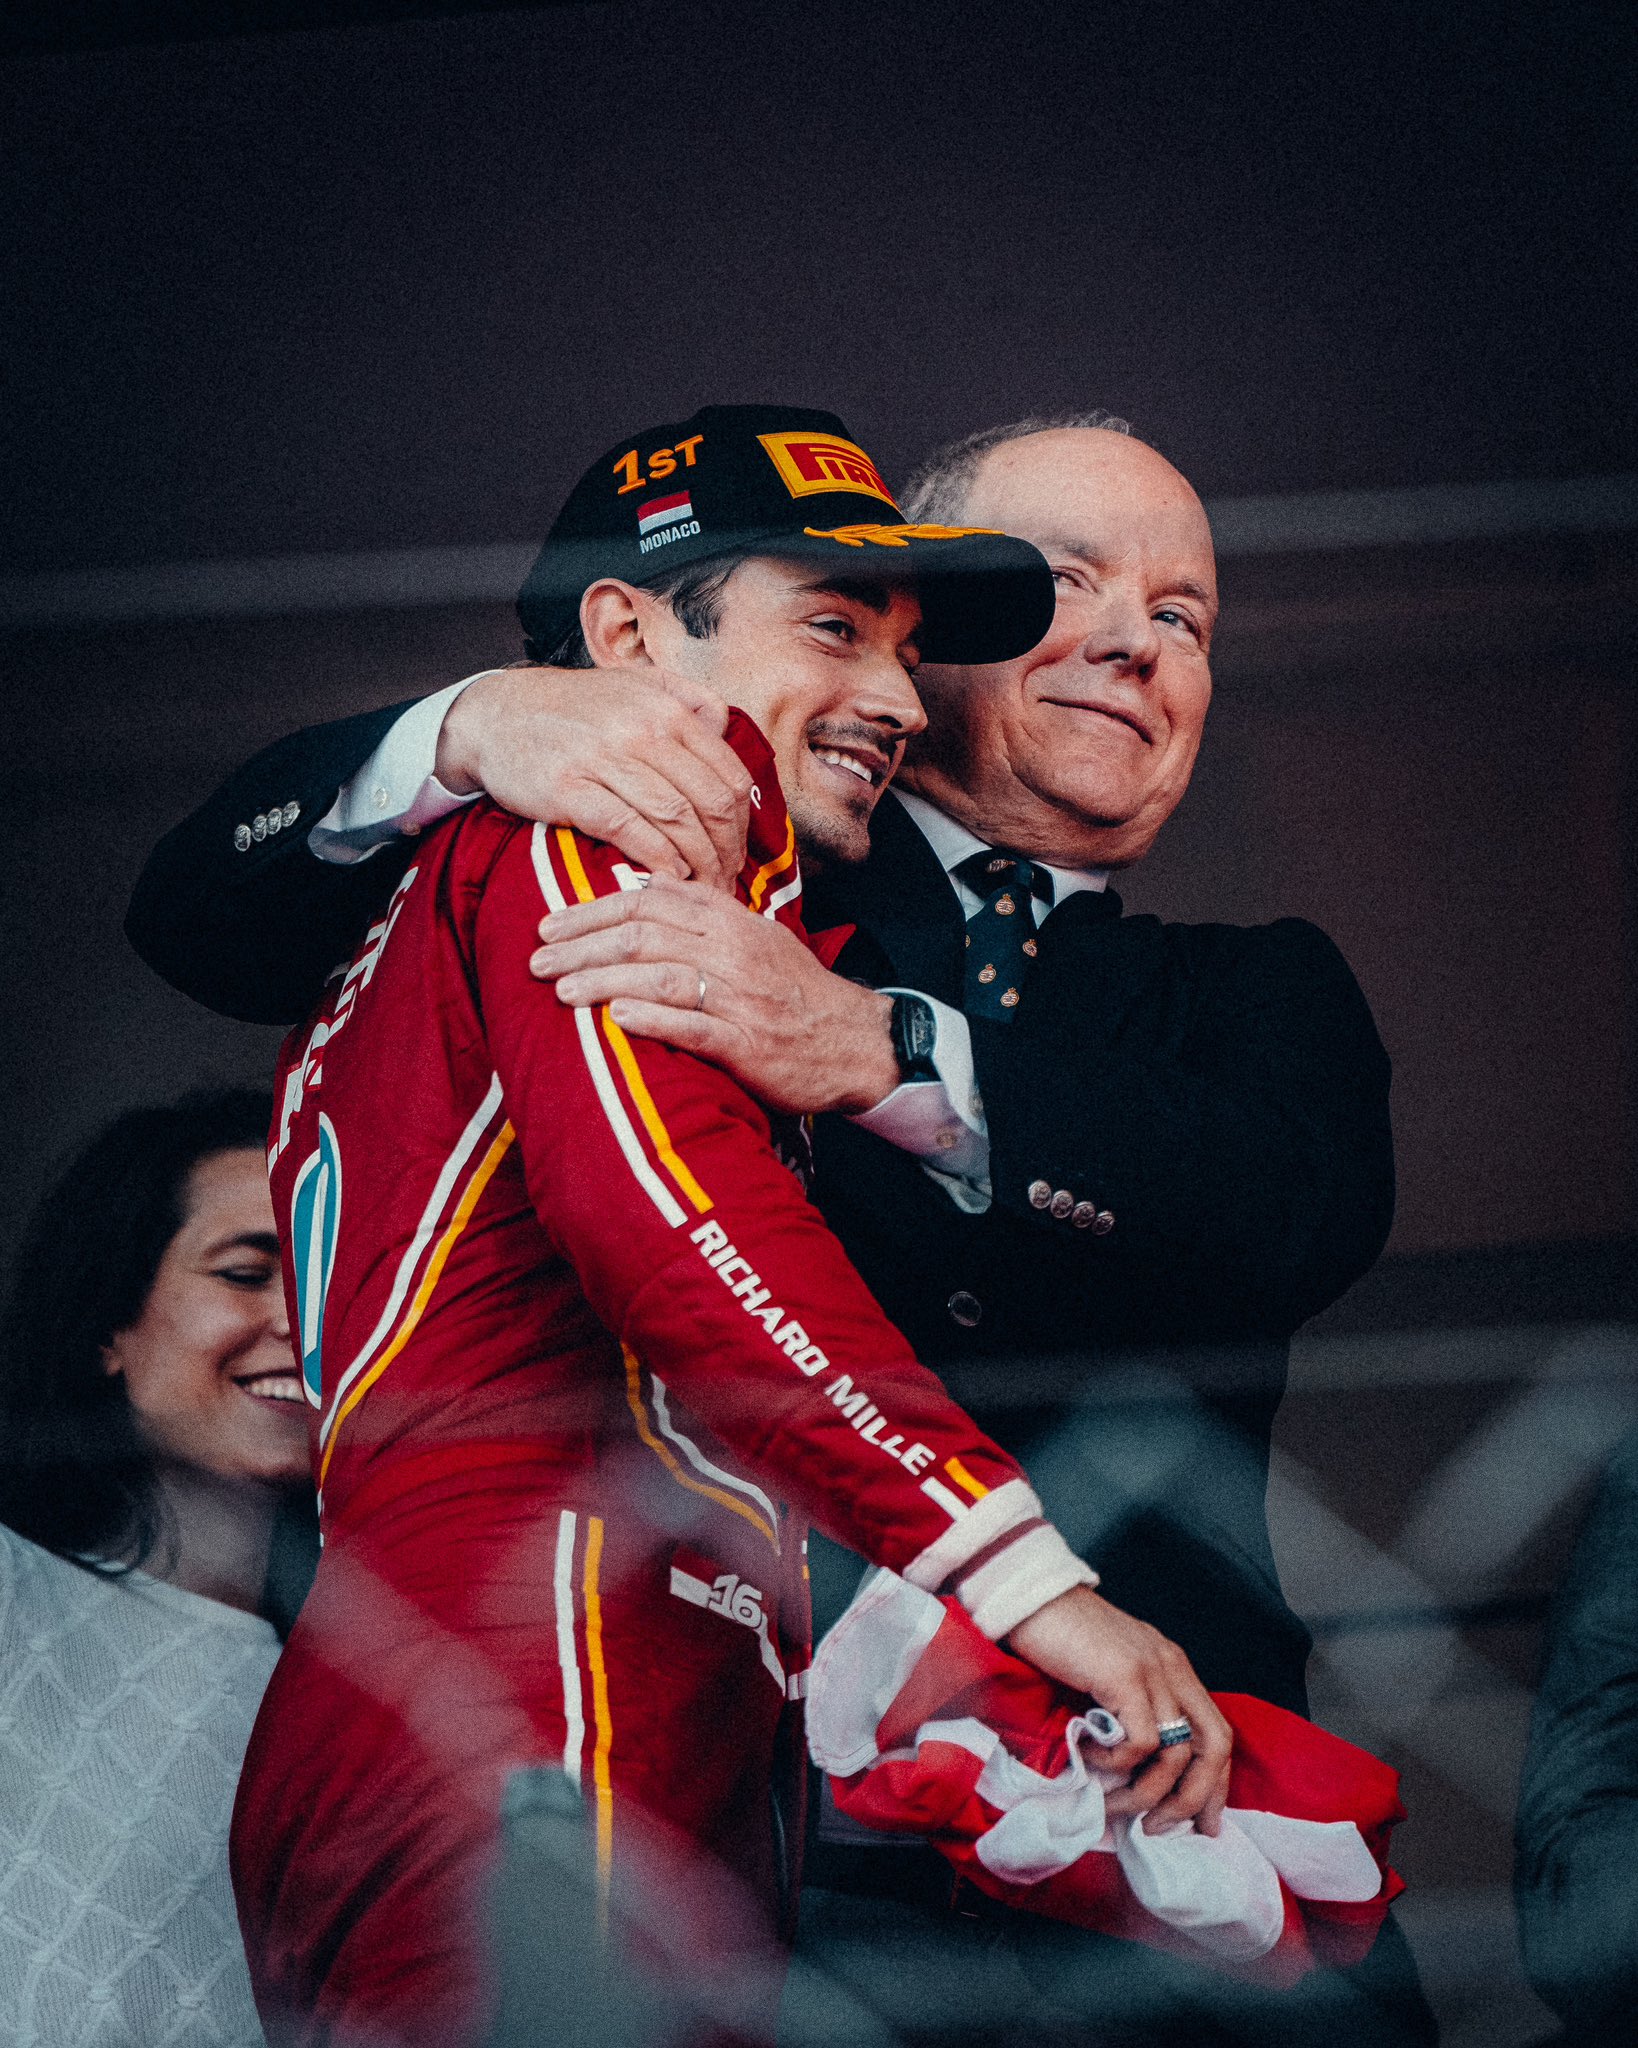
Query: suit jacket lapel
pixel 902 897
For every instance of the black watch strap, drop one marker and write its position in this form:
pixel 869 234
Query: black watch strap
pixel 914 1025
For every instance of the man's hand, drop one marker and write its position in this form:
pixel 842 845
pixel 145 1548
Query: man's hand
pixel 701 972
pixel 635 757
pixel 1143 1679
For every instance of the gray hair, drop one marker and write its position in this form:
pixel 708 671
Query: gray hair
pixel 937 491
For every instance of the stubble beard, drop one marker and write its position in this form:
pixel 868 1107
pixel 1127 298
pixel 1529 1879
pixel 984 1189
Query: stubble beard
pixel 826 837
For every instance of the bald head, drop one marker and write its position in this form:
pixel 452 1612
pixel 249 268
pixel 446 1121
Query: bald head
pixel 1097 486
pixel 1080 750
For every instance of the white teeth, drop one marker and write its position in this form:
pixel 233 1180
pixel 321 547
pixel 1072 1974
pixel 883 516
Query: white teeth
pixel 836 760
pixel 280 1387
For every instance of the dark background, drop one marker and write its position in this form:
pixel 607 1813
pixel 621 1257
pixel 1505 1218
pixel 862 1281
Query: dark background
pixel 374 292
pixel 393 285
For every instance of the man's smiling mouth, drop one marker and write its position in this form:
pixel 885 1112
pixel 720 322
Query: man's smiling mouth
pixel 870 769
pixel 1121 717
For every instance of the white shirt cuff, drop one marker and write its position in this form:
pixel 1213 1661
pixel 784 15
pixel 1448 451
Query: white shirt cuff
pixel 1017 1577
pixel 396 791
pixel 941 1122
pixel 1021 1579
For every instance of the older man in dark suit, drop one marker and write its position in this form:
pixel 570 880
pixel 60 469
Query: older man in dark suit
pixel 1098 1168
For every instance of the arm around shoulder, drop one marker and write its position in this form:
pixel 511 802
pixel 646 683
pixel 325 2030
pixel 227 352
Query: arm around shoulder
pixel 234 909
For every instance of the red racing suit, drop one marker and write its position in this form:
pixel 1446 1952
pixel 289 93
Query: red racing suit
pixel 582 1360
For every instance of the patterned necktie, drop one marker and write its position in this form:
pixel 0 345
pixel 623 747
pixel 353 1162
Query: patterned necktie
pixel 1001 932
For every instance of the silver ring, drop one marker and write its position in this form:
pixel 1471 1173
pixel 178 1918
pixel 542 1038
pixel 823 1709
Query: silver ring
pixel 700 1005
pixel 1174 1733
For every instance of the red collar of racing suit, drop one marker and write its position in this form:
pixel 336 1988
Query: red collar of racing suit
pixel 771 879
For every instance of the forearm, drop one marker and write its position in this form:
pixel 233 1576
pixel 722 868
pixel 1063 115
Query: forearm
pixel 233 909
pixel 247 922
pixel 398 791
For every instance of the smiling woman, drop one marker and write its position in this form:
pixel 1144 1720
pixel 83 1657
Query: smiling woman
pixel 152 1440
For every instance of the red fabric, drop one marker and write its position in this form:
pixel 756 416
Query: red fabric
pixel 521 1322
pixel 829 945
pixel 1281 1764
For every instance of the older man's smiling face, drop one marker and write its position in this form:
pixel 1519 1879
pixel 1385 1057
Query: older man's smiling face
pixel 1079 751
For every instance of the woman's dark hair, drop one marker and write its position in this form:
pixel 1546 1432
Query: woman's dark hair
pixel 74 1474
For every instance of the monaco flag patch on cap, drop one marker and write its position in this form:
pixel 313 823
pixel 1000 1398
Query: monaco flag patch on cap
pixel 660 512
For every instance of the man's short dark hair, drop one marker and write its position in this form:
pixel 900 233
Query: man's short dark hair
pixel 694 595
pixel 938 485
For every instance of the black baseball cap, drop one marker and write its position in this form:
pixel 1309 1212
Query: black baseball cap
pixel 780 480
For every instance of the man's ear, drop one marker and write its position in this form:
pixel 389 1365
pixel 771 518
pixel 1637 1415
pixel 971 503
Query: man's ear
pixel 613 618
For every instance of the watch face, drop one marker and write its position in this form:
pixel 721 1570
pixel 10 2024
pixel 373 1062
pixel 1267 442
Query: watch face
pixel 920 1028
pixel 915 1035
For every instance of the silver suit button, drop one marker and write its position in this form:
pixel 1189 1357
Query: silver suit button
pixel 1103 1223
pixel 275 821
pixel 258 826
pixel 1040 1193
pixel 1062 1203
pixel 241 838
pixel 1083 1215
pixel 965 1309
pixel 292 811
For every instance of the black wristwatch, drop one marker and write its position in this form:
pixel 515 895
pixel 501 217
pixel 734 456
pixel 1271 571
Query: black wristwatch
pixel 914 1026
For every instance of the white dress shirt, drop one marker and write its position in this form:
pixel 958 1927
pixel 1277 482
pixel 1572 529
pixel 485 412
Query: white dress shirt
pixel 953 844
pixel 941 1122
pixel 397 790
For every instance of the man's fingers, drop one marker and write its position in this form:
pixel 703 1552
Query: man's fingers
pixel 1125 1758
pixel 574 920
pixel 691 753
pixel 695 1031
pixel 725 796
pixel 1128 1701
pixel 1202 1790
pixel 1085 1642
pixel 1199 1786
pixel 711 791
pixel 667 902
pixel 710 709
pixel 666 984
pixel 629 943
pixel 600 814
pixel 1152 1783
pixel 702 734
pixel 656 787
pixel 1209 1820
pixel 1213 1737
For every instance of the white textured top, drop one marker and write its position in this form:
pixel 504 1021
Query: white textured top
pixel 125 1707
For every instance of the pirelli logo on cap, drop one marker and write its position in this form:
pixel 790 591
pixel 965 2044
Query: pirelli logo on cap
pixel 810 463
